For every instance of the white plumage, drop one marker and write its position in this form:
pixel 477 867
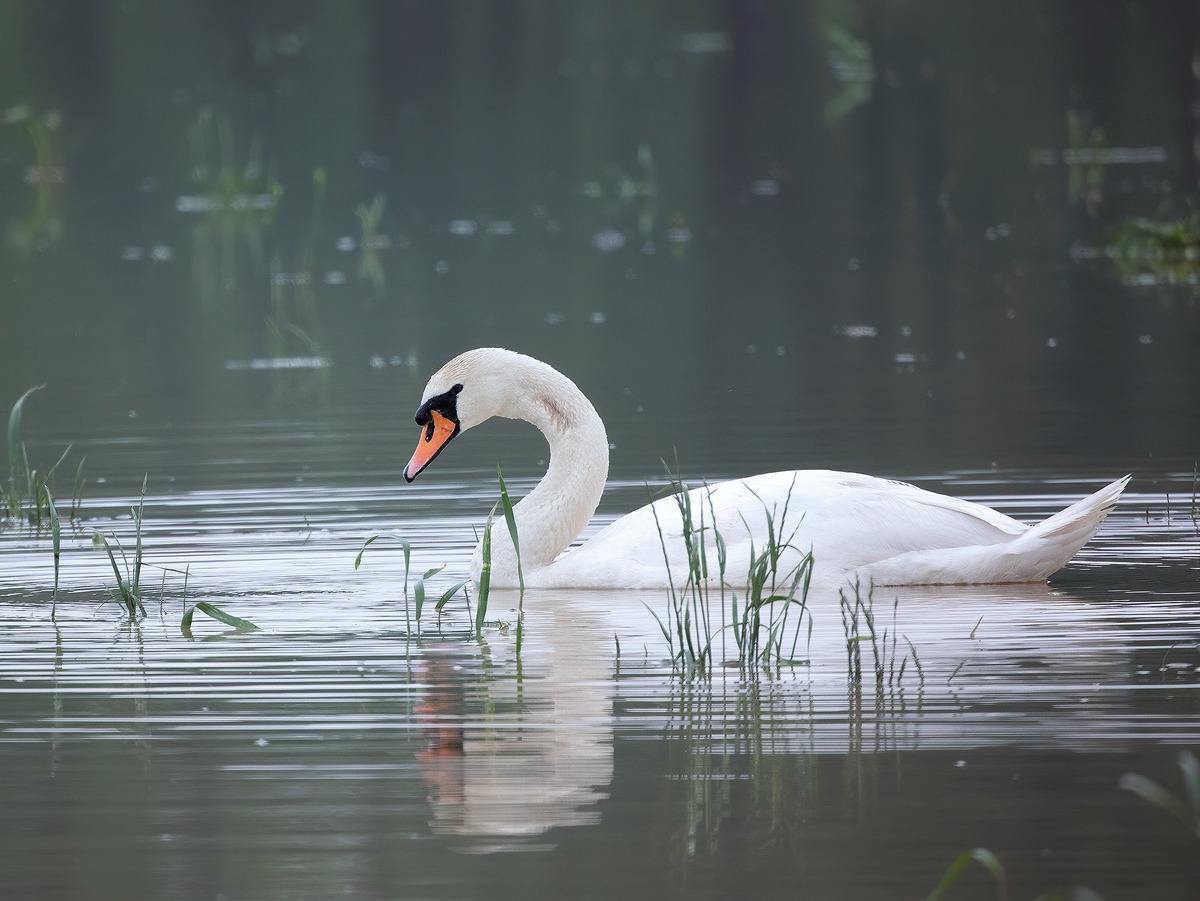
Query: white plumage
pixel 856 526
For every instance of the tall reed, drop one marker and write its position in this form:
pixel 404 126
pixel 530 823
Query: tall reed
pixel 26 489
pixel 129 582
pixel 760 609
pixel 485 574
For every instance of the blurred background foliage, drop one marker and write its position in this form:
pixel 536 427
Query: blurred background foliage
pixel 871 199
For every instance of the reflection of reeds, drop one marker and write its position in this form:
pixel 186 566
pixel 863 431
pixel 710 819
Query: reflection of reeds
pixel 294 324
pixel 737 775
pixel 235 204
pixel 370 263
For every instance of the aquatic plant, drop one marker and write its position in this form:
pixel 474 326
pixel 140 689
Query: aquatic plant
pixel 418 592
pixel 1186 809
pixel 234 203
pixel 1144 251
pixel 129 582
pixel 853 66
pixel 1086 161
pixel 26 493
pixel 239 624
pixel 858 624
pixel 985 859
pixel 760 625
pixel 485 574
pixel 370 264
pixel 56 537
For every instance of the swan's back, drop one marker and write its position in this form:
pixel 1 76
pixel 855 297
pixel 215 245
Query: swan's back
pixel 856 526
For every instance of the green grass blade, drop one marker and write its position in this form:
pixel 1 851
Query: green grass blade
pixel 239 624
pixel 511 521
pixel 1150 791
pixel 366 544
pixel 981 856
pixel 14 428
pixel 419 590
pixel 56 537
pixel 485 575
pixel 448 594
pixel 100 539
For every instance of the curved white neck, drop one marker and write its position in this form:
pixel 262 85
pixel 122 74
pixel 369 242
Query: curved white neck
pixel 553 514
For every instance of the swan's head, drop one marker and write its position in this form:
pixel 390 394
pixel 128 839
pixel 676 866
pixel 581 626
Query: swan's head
pixel 470 389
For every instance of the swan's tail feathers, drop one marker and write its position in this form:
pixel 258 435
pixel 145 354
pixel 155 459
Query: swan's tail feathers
pixel 1061 536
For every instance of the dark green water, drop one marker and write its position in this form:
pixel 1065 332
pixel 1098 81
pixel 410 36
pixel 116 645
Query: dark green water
pixel 874 237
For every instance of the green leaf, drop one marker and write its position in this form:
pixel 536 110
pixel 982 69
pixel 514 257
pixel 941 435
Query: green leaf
pixel 241 625
pixel 419 590
pixel 981 856
pixel 449 593
pixel 14 428
pixel 511 519
pixel 485 574
pixel 366 544
pixel 1151 791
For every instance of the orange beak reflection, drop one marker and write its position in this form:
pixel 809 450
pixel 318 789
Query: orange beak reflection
pixel 436 435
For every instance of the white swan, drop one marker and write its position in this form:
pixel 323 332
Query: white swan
pixel 856 526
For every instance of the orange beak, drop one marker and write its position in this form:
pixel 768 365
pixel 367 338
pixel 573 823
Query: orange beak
pixel 437 434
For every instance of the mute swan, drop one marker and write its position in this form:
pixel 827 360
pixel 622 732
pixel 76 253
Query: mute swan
pixel 856 526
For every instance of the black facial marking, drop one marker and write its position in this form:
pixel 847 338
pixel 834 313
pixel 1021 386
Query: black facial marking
pixel 445 403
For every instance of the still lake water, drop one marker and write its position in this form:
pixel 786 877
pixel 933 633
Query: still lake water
pixel 902 239
pixel 335 753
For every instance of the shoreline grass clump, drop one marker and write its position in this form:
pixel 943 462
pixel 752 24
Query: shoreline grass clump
pixel 27 490
pixel 759 622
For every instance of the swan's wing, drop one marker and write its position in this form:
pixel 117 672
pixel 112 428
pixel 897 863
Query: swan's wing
pixel 847 520
pixel 862 518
